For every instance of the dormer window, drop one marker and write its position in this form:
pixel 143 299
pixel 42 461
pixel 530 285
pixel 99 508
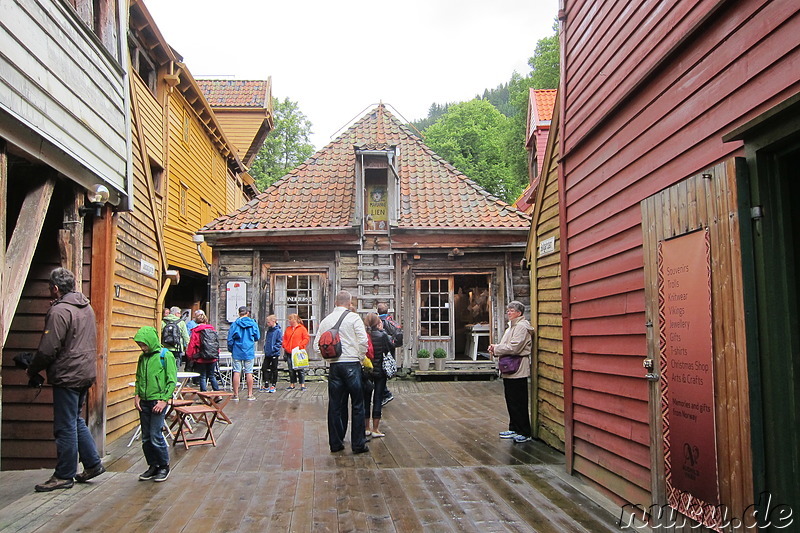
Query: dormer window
pixel 377 180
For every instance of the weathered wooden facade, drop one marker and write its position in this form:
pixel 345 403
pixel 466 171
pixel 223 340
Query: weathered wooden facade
pixel 543 258
pixel 63 130
pixel 678 119
pixel 377 213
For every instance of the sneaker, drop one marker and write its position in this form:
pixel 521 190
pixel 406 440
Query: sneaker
pixel 356 451
pixel 387 400
pixel 368 433
pixel 271 389
pixel 303 388
pixel 162 474
pixel 263 389
pixel 377 434
pixel 54 483
pixel 89 473
pixel 149 473
pixel 508 434
pixel 519 439
pixel 235 398
pixel 251 398
pixel 218 399
pixel 289 388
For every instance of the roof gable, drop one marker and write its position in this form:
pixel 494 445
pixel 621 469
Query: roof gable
pixel 236 93
pixel 320 193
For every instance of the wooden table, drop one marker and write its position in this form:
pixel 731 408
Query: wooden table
pixel 198 412
pixel 208 398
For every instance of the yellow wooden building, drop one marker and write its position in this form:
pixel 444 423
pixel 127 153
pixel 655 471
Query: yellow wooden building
pixel 186 172
pixel 543 255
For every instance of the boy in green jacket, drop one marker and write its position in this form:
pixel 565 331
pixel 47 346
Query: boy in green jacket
pixel 156 377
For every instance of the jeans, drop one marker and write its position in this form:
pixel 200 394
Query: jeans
pixel 269 371
pixel 344 380
pixel 73 439
pixel 379 388
pixel 206 371
pixel 516 393
pixel 154 445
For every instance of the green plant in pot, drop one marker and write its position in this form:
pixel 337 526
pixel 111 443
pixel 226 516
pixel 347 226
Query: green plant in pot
pixel 439 358
pixel 423 359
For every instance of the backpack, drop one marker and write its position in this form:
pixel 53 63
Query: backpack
pixel 171 334
pixel 370 347
pixel 394 331
pixel 209 344
pixel 330 345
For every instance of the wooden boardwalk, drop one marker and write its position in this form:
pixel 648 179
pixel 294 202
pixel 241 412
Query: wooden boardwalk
pixel 440 468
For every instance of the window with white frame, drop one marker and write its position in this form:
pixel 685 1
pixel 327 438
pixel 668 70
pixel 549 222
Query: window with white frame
pixel 434 307
pixel 300 294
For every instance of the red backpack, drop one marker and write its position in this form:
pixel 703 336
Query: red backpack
pixel 330 345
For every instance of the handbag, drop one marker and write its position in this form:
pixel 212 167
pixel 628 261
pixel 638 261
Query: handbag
pixel 509 364
pixel 299 357
pixel 389 365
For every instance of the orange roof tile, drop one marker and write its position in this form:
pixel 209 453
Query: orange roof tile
pixel 433 193
pixel 236 93
pixel 545 102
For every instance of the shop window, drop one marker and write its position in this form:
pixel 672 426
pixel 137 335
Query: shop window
pixel 298 293
pixel 434 307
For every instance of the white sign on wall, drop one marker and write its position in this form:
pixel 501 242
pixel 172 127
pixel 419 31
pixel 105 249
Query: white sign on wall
pixel 145 267
pixel 547 246
pixel 236 296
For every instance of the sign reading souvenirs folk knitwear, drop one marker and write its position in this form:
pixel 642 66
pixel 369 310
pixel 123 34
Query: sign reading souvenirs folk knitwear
pixel 687 372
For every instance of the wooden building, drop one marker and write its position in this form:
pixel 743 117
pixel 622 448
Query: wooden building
pixel 679 149
pixel 541 103
pixel 377 213
pixel 63 131
pixel 542 257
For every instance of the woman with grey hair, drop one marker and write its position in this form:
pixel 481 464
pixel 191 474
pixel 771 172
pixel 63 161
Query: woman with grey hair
pixel 513 354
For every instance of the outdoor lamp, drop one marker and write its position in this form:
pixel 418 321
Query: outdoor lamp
pixel 97 196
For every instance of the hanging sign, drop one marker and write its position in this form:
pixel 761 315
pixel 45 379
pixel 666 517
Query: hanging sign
pixel 377 210
pixel 687 375
pixel 235 297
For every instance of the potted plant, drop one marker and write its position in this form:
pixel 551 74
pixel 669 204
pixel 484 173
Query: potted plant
pixel 439 358
pixel 423 359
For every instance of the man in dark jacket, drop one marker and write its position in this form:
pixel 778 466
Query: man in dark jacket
pixel 68 352
pixel 273 346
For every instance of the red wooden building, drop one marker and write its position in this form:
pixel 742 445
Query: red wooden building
pixel 681 119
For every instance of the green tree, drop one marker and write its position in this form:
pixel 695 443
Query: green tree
pixel 471 136
pixel 546 61
pixel 286 146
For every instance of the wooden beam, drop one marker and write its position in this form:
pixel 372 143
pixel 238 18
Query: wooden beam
pixel 101 296
pixel 20 249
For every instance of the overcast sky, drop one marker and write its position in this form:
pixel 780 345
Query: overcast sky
pixel 339 58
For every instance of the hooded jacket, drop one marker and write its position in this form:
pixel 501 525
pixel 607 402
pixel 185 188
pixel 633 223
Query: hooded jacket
pixel 273 341
pixel 242 338
pixel 68 349
pixel 295 337
pixel 155 378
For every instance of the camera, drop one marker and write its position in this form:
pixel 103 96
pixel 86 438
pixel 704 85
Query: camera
pixel 23 361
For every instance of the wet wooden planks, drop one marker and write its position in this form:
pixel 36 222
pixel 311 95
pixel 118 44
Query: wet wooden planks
pixel 440 468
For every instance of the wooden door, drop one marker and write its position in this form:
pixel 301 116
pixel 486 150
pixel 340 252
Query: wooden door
pixel 705 202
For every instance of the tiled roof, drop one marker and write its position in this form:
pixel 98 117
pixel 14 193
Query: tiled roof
pixel 320 193
pixel 545 102
pixel 235 93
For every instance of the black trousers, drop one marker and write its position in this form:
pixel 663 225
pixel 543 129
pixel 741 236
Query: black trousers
pixel 516 392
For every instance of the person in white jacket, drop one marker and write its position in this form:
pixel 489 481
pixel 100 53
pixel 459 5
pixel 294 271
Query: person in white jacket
pixel 516 343
pixel 344 376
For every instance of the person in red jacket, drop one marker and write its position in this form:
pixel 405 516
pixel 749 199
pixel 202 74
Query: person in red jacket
pixel 295 336
pixel 205 357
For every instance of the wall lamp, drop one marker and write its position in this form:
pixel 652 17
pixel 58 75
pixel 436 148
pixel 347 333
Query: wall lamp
pixel 97 195
pixel 199 240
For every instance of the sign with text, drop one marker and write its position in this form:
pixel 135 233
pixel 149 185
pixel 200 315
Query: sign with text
pixel 235 297
pixel 687 370
pixel 377 211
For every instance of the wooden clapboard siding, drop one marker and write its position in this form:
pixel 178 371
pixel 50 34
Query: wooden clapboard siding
pixel 650 90
pixel 241 125
pixel 137 241
pixel 198 166
pixel 67 89
pixel 545 282
pixel 710 200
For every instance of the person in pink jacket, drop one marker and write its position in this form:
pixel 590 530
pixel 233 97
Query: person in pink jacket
pixel 203 350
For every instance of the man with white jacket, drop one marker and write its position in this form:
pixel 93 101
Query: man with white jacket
pixel 344 376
